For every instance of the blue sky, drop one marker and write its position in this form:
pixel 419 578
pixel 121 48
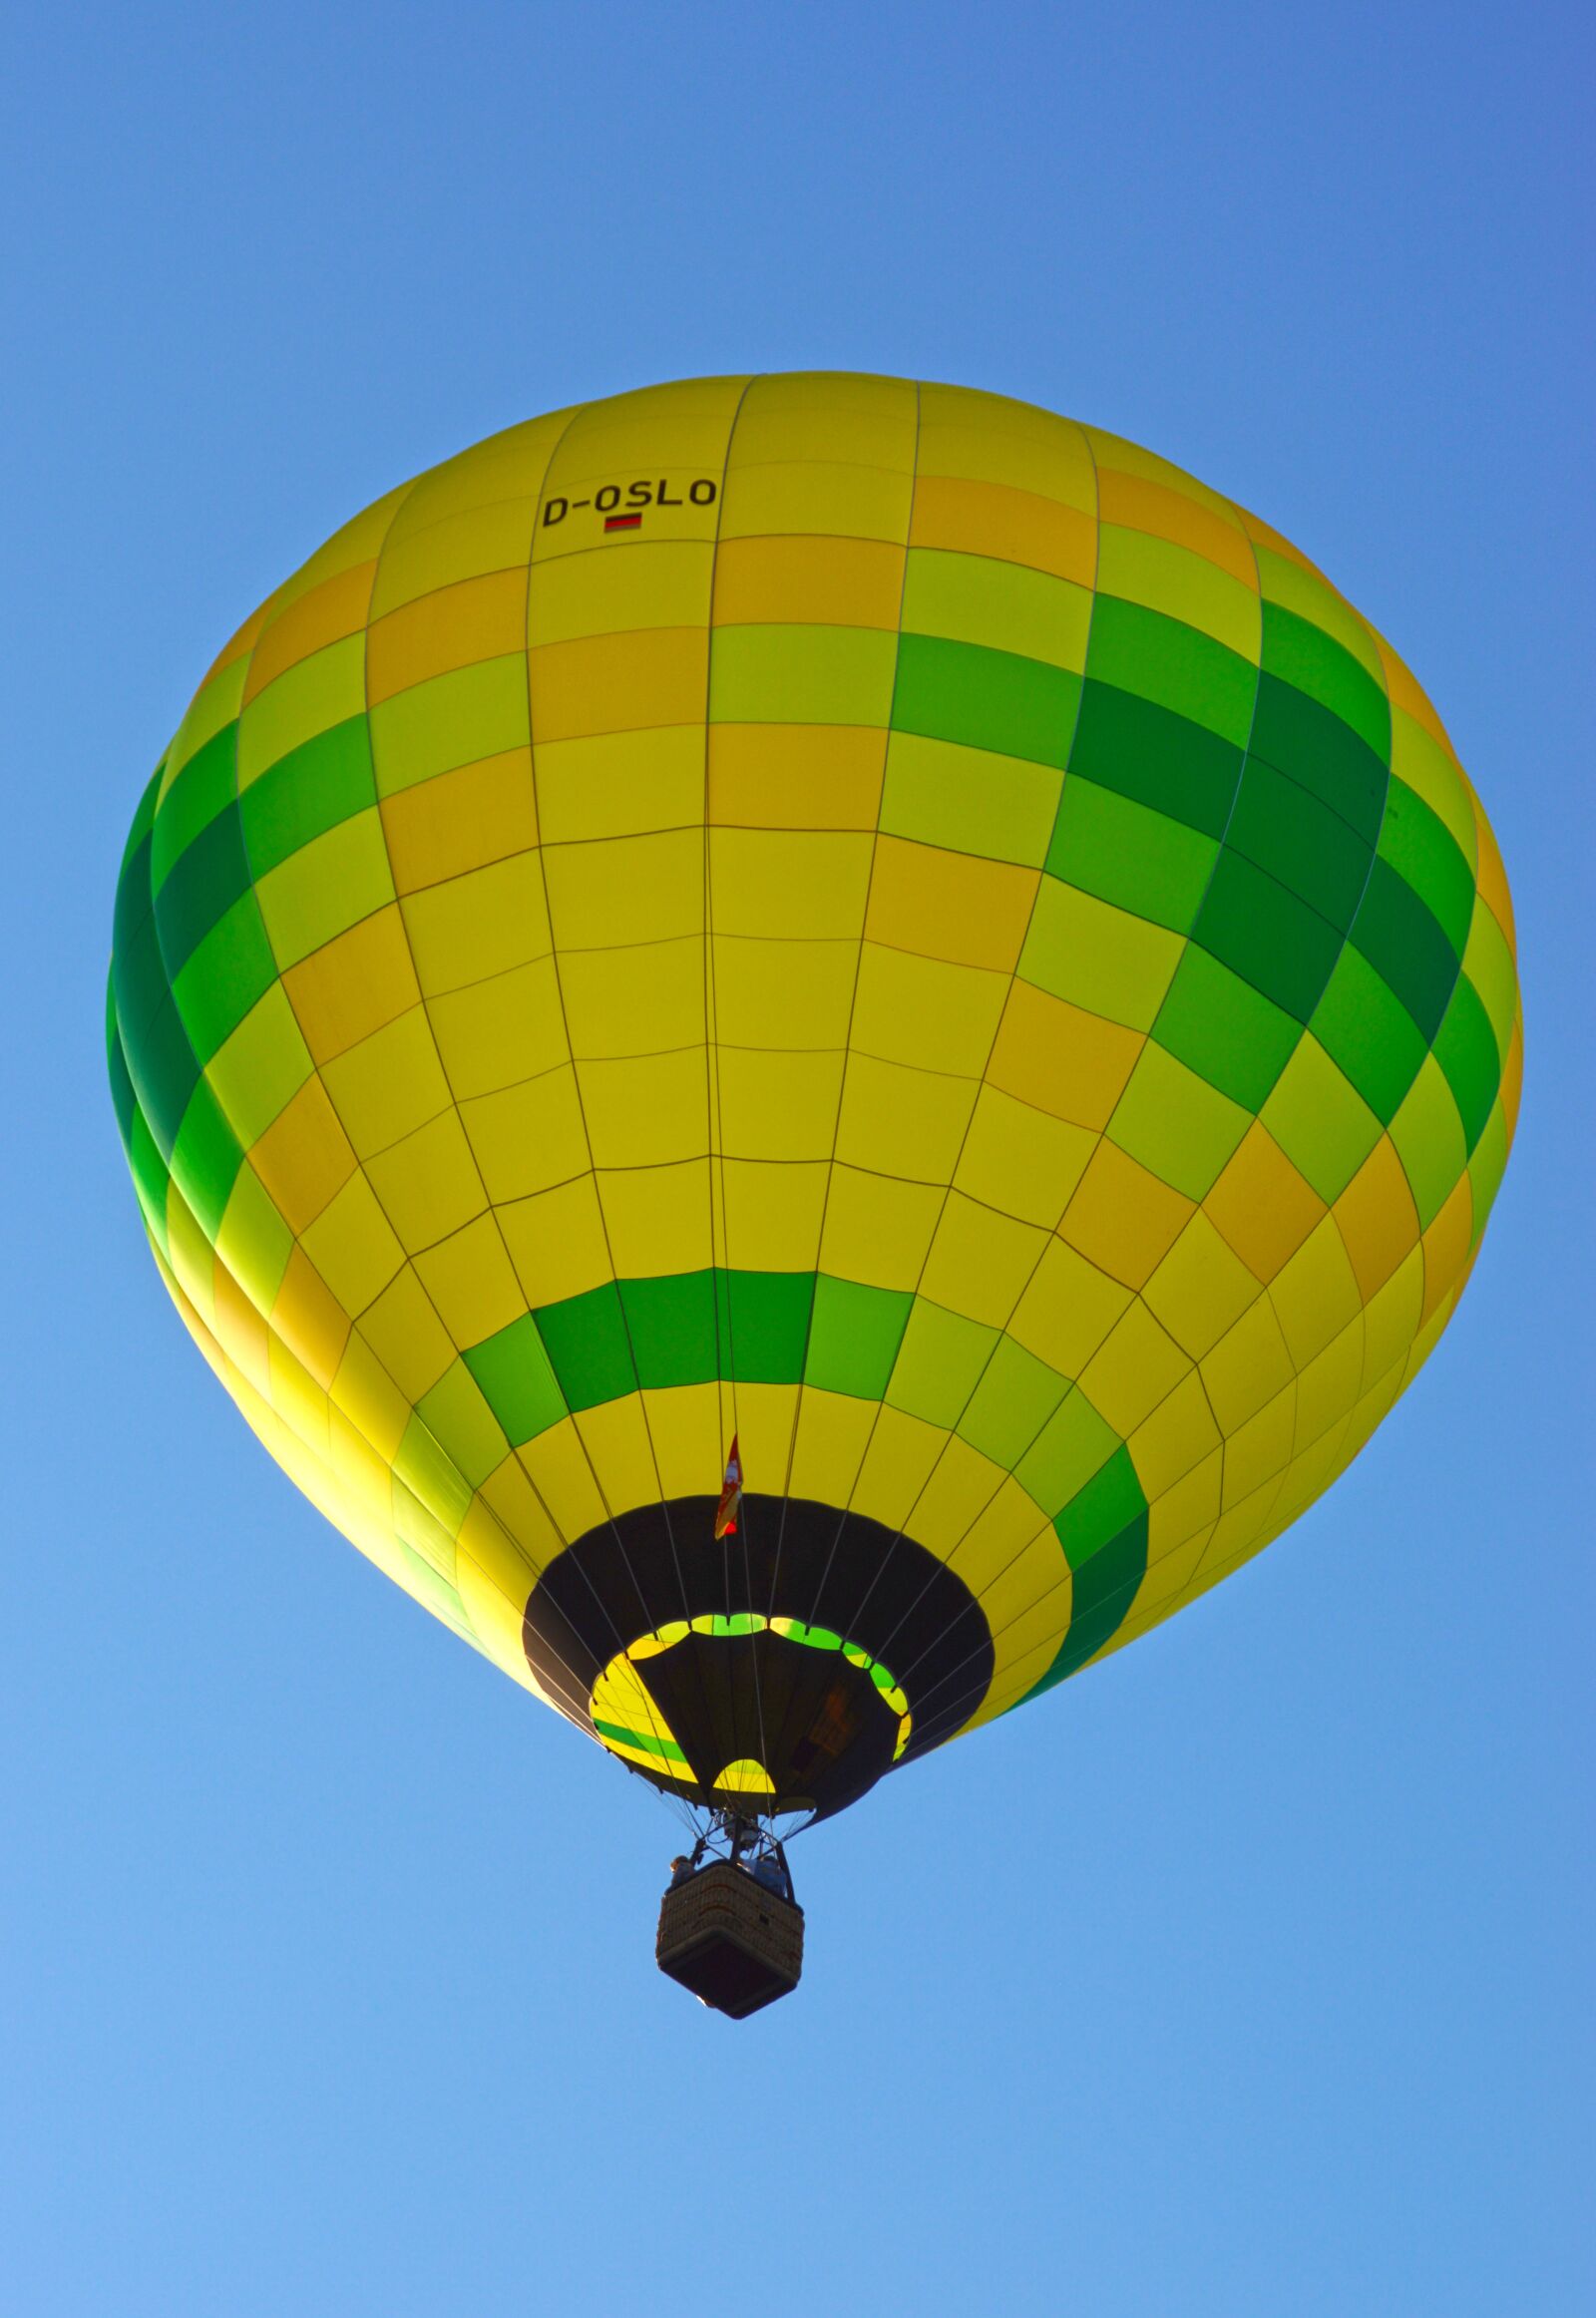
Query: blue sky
pixel 1248 1974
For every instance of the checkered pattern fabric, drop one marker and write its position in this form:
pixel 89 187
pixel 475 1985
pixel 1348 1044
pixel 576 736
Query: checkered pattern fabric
pixel 862 915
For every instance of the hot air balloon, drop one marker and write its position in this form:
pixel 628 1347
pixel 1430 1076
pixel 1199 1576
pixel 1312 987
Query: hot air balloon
pixel 809 1047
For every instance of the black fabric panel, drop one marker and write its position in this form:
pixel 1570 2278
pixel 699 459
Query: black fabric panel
pixel 817 1721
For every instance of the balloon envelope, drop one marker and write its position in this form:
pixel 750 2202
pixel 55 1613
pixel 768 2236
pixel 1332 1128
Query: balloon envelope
pixel 861 920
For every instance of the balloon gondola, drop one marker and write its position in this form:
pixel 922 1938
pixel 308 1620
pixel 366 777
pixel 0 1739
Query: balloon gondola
pixel 809 1047
pixel 730 1927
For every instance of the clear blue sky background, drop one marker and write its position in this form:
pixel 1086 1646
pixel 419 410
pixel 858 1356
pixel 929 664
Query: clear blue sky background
pixel 1249 1974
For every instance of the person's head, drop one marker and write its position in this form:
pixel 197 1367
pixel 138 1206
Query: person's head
pixel 682 1860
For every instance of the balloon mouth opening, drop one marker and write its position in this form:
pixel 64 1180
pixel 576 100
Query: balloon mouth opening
pixel 783 1669
pixel 665 1676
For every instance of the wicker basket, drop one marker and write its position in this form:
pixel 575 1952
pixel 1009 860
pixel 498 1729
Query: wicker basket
pixel 734 1943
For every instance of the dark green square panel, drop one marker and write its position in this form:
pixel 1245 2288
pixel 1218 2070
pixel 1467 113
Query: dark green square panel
pixel 984 699
pixel 206 784
pixel 134 902
pixel 1224 1030
pixel 1267 936
pixel 123 1098
pixel 1100 1509
pixel 1466 1048
pixel 202 886
pixel 1424 854
pixel 586 1340
pixel 768 1323
pixel 1300 652
pixel 1369 1035
pixel 1163 760
pixel 1154 657
pixel 1402 940
pixel 307 792
pixel 854 1337
pixel 137 970
pixel 1299 737
pixel 144 816
pixel 1280 827
pixel 113 1035
pixel 671 1323
pixel 133 893
pixel 165 1070
pixel 1106 1547
pixel 1118 1565
pixel 205 1159
pixel 1105 1591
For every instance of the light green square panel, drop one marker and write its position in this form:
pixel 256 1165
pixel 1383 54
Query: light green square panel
pixel 451 719
pixel 1321 1121
pixel 254 1242
pixel 424 1537
pixel 261 1067
pixel 854 1334
pixel 1487 1166
pixel 215 704
pixel 939 1364
pixel 969 800
pixel 1015 1399
pixel 305 699
pixel 1428 1135
pixel 457 1416
pixel 429 1588
pixel 1074 1444
pixel 326 887
pixel 801 675
pixel 1423 765
pixel 1288 582
pixel 1100 958
pixel 1166 577
pixel 513 1370
pixel 1488 963
pixel 1180 1128
pixel 977 600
